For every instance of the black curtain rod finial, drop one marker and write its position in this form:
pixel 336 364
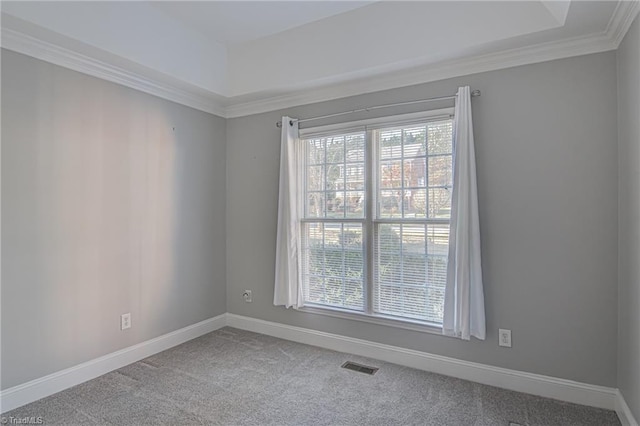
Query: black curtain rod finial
pixel 279 124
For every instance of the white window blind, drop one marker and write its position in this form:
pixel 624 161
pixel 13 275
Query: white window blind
pixel 412 220
pixel 393 183
pixel 333 225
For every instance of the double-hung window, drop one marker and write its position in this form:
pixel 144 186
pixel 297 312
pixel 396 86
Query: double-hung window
pixel 375 216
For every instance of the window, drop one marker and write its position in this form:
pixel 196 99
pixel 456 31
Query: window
pixel 375 219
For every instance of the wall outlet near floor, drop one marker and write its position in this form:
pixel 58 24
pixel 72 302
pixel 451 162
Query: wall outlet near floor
pixel 246 295
pixel 504 338
pixel 125 321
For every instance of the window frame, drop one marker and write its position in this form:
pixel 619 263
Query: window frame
pixel 370 217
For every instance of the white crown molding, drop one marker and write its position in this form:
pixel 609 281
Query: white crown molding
pixel 594 43
pixel 42 387
pixel 23 39
pixel 621 20
pixel 21 42
pixel 520 381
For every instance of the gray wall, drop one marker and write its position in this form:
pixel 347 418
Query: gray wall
pixel 113 201
pixel 629 218
pixel 547 174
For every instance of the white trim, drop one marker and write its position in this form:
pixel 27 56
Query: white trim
pixel 182 93
pixel 25 393
pixel 624 412
pixel 28 40
pixel 404 323
pixel 566 48
pixel 535 384
pixel 621 20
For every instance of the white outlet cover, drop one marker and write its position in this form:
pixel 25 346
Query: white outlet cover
pixel 125 321
pixel 504 337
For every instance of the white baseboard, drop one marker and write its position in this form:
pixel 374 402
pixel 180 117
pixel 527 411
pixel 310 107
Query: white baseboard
pixel 25 393
pixel 535 384
pixel 624 412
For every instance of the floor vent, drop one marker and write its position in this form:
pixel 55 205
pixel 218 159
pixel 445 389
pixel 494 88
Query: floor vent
pixel 360 368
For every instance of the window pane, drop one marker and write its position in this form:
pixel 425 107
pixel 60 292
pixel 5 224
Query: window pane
pixel 353 294
pixel 437 278
pixel 439 203
pixel 390 144
pixel 439 135
pixel 415 172
pixel 438 239
pixel 314 289
pixel 315 151
pixel 390 174
pixel 354 178
pixel 440 171
pixel 413 259
pixel 335 204
pixel 355 148
pixel 437 252
pixel 410 169
pixel 333 264
pixel 315 204
pixel 333 259
pixel 315 178
pixel 334 165
pixel 335 149
pixel 390 203
pixel 354 203
pixel 413 186
pixel 387 253
pixel 415 203
pixel 414 140
pixel 334 177
pixel 410 270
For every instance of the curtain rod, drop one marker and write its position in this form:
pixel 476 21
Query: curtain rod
pixel 474 94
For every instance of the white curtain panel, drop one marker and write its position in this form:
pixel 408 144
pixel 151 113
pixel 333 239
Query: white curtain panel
pixel 287 290
pixel 464 295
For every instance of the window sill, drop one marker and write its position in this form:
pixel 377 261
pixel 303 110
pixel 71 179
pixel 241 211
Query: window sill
pixel 407 324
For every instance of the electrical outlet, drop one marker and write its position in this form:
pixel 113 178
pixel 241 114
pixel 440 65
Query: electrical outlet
pixel 125 321
pixel 504 338
pixel 247 296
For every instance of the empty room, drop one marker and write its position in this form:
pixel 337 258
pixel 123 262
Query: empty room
pixel 320 213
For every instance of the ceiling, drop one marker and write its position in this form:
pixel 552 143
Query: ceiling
pixel 232 22
pixel 240 57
